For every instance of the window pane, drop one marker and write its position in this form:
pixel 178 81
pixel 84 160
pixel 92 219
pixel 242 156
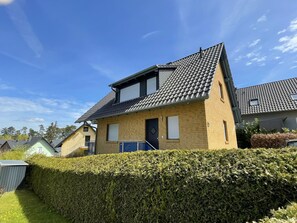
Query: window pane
pixel 173 127
pixel 225 130
pixel 130 92
pixel 113 132
pixel 254 102
pixel 151 85
pixel 294 96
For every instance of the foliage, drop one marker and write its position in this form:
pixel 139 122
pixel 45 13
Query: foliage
pixel 17 153
pixel 276 140
pixel 286 130
pixel 167 186
pixel 245 131
pixel 24 206
pixel 282 215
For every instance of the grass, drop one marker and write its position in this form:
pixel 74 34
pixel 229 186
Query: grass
pixel 23 206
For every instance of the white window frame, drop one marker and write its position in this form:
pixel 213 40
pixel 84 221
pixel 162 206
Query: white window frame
pixel 173 127
pixel 151 85
pixel 112 136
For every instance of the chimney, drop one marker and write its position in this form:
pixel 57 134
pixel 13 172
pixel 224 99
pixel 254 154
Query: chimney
pixel 201 52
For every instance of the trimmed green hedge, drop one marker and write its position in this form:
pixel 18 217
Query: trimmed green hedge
pixel 283 215
pixel 168 186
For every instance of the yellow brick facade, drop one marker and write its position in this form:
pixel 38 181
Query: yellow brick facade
pixel 200 123
pixel 77 140
pixel 218 110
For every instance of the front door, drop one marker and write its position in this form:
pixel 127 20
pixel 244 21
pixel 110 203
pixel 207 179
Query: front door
pixel 152 132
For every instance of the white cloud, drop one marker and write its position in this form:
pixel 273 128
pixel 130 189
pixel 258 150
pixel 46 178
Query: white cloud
pixel 12 104
pixel 277 58
pixel 35 120
pixel 21 22
pixel 289 42
pixel 293 67
pixel 147 35
pixel 104 71
pixel 20 60
pixel 263 18
pixel 255 42
pixel 293 25
pixel 248 63
pixel 5 2
pixel 259 59
pixel 6 87
pixel 281 31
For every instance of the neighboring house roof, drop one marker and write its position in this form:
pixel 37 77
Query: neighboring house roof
pixel 272 97
pixel 34 140
pixel 2 142
pixel 71 134
pixel 191 80
pixel 110 96
pixel 14 143
pixel 55 142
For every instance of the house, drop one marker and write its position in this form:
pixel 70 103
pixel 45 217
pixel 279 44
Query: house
pixel 274 104
pixel 39 145
pixel 11 144
pixel 82 138
pixel 186 104
pixel 2 142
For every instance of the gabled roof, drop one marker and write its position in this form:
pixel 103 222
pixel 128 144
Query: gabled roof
pixel 272 97
pixel 191 80
pixel 34 140
pixel 14 143
pixel 71 134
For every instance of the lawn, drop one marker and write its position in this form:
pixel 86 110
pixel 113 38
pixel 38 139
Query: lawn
pixel 24 206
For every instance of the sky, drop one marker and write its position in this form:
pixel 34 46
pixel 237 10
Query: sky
pixel 57 58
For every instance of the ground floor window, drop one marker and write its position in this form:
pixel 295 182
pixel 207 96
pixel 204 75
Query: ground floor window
pixel 172 127
pixel 112 132
pixel 87 140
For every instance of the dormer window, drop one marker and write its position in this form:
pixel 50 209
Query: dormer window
pixel 294 97
pixel 130 92
pixel 254 102
pixel 151 85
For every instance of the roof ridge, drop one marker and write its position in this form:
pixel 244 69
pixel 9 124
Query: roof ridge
pixel 267 83
pixel 221 43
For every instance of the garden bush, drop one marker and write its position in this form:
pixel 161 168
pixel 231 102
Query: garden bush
pixel 275 140
pixel 17 153
pixel 168 186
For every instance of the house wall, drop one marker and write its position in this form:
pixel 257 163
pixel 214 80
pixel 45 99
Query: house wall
pixel 192 128
pixel 76 141
pixel 217 111
pixel 274 120
pixel 5 147
pixel 40 147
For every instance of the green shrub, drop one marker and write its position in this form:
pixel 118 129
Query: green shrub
pixel 282 215
pixel 168 186
pixel 276 140
pixel 14 154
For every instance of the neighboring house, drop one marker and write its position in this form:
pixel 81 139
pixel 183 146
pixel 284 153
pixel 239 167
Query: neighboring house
pixel 11 144
pixel 2 142
pixel 81 138
pixel 274 104
pixel 186 104
pixel 38 145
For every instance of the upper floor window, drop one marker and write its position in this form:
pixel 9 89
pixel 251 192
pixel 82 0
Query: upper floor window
pixel 151 85
pixel 221 90
pixel 86 129
pixel 294 97
pixel 254 102
pixel 130 92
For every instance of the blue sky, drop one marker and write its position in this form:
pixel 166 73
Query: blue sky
pixel 58 57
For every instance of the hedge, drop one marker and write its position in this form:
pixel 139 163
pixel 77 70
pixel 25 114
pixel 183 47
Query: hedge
pixel 168 186
pixel 282 215
pixel 275 140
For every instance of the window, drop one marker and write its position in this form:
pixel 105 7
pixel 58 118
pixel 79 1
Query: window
pixel 151 85
pixel 86 129
pixel 221 90
pixel 254 102
pixel 225 131
pixel 87 140
pixel 130 92
pixel 172 127
pixel 294 97
pixel 113 132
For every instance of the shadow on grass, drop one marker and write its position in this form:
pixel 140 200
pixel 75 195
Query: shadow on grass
pixel 34 210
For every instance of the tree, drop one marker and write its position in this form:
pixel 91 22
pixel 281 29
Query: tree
pixel 41 130
pixel 24 130
pixel 32 133
pixel 67 130
pixel 52 132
